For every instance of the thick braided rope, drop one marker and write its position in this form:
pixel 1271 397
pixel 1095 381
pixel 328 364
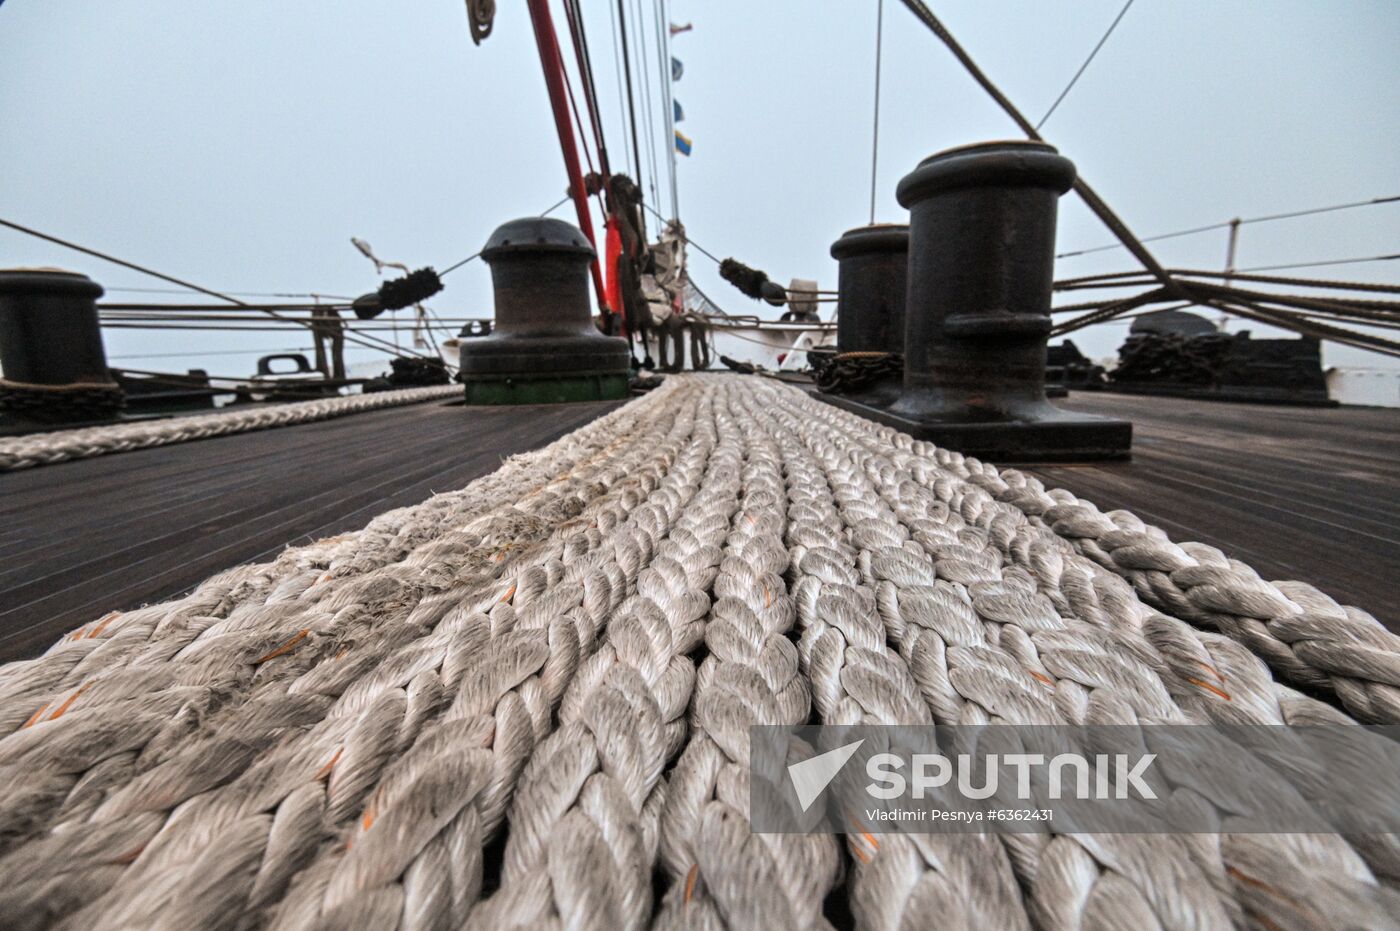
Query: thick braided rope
pixel 1069 648
pixel 582 834
pixel 722 874
pixel 333 738
pixel 61 445
pixel 857 679
pixel 387 871
pixel 358 634
pixel 1155 878
pixel 1304 635
pixel 268 595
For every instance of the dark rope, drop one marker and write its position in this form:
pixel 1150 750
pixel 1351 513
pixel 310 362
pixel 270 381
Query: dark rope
pixel 416 373
pixel 752 282
pixel 413 288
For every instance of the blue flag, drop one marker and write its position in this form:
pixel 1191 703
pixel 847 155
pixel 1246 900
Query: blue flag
pixel 677 69
pixel 682 143
pixel 677 114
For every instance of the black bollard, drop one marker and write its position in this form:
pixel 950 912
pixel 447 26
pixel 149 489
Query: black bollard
pixel 54 366
pixel 981 260
pixel 871 285
pixel 544 347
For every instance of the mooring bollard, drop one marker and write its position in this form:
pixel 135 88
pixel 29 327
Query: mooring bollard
pixel 871 283
pixel 981 261
pixel 51 355
pixel 544 347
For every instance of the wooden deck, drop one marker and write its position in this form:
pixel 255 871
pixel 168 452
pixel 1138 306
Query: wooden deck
pixel 1296 492
pixel 79 539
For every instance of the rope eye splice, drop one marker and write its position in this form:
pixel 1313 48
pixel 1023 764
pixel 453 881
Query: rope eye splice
pixel 752 282
pixel 398 293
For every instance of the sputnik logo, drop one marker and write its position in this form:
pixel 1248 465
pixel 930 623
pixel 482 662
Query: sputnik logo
pixel 811 777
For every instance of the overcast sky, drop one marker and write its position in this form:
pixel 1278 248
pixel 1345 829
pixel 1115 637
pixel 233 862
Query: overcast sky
pixel 241 144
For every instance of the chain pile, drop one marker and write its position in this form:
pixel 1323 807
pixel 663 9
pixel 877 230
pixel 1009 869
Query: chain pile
pixel 59 403
pixel 1171 357
pixel 46 448
pixel 851 371
pixel 525 703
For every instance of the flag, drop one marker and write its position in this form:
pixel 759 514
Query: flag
pixel 675 30
pixel 677 69
pixel 682 143
pixel 677 114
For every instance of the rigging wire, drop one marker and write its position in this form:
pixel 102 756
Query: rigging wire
pixel 1090 197
pixel 155 314
pixel 631 103
pixel 875 142
pixel 456 265
pixel 584 57
pixel 690 242
pixel 1243 222
pixel 647 98
pixel 215 352
pixel 1082 68
pixel 215 308
pixel 1230 300
pixel 387 346
pixel 263 326
pixel 578 121
pixel 333 297
pixel 1270 268
pixel 1072 284
pixel 583 129
pixel 475 255
pixel 621 94
pixel 583 61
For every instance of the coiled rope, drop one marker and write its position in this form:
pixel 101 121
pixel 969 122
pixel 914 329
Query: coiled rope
pixel 566 656
pixel 38 449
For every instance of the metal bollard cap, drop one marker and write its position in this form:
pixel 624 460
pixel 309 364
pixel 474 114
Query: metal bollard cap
pixel 878 237
pixel 988 165
pixel 536 235
pixel 48 280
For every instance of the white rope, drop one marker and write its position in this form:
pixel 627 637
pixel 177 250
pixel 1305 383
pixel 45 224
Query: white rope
pixel 721 873
pixel 986 643
pixel 351 622
pixel 1304 635
pixel 857 679
pixel 621 722
pixel 570 652
pixel 38 449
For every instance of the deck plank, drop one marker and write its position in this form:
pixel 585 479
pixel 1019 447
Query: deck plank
pixel 1299 493
pixel 117 532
